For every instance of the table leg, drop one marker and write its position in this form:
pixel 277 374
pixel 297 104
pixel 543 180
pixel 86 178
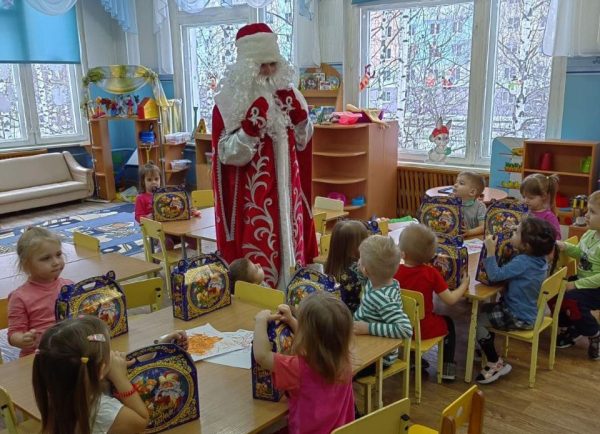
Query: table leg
pixel 471 341
pixel 183 249
pixel 379 369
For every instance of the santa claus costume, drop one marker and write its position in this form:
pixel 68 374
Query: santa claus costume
pixel 262 161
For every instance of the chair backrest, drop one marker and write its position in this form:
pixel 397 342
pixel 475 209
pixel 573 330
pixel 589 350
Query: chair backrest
pixel 7 411
pixel 324 244
pixel 86 241
pixel 384 227
pixel 411 309
pixel 329 204
pixel 391 419
pixel 566 261
pixel 203 198
pixel 146 292
pixel 152 230
pixel 418 297
pixel 320 222
pixel 3 313
pixel 553 286
pixel 259 295
pixel 467 408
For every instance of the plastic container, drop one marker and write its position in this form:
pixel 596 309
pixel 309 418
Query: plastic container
pixel 180 164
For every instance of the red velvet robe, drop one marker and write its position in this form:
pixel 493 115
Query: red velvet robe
pixel 248 210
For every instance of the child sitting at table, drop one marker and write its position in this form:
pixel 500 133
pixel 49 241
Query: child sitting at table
pixel 73 371
pixel 469 187
pixel 342 260
pixel 31 305
pixel 149 181
pixel 534 239
pixel 418 245
pixel 380 312
pixel 318 376
pixel 245 270
pixel 539 194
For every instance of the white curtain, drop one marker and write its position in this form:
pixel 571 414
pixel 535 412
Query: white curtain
pixel 573 28
pixel 162 32
pixel 52 7
pixel 306 31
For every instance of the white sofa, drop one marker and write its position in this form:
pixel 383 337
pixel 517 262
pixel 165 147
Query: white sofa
pixel 41 180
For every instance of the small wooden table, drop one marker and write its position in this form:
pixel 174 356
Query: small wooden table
pixel 225 393
pixel 488 193
pixel 125 268
pixel 183 228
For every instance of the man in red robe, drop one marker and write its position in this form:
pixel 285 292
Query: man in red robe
pixel 262 160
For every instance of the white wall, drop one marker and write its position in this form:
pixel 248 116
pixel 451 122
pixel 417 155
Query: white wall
pixel 146 37
pixel 331 30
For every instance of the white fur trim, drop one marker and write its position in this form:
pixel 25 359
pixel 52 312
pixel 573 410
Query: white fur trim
pixel 260 47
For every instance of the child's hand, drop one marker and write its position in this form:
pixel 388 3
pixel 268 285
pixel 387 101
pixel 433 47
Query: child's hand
pixel 196 213
pixel 465 278
pixel 29 338
pixel 263 316
pixel 178 337
pixel 284 313
pixel 117 371
pixel 561 245
pixel 361 328
pixel 490 244
pixel 570 286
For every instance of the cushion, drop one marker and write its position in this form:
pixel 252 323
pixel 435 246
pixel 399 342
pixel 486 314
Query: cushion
pixel 24 172
pixel 41 191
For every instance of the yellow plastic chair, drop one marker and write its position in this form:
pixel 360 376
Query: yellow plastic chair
pixel 146 292
pixel 152 230
pixel 7 411
pixel 329 204
pixel 420 346
pixel 384 227
pixel 85 241
pixel 203 199
pixel 324 244
pixel 259 295
pixel 391 419
pixel 400 365
pixel 567 261
pixel 320 222
pixel 3 317
pixel 553 286
pixel 466 408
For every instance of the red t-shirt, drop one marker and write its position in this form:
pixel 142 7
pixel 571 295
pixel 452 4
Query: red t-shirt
pixel 143 205
pixel 316 407
pixel 427 280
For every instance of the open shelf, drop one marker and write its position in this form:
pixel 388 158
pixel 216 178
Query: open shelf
pixel 551 172
pixel 339 180
pixel 341 127
pixel 310 93
pixel 353 207
pixel 340 154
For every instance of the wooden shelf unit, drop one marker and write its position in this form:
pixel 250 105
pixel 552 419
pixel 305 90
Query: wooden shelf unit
pixel 357 160
pixel 203 167
pixel 174 151
pixel 320 98
pixel 566 163
pixel 101 151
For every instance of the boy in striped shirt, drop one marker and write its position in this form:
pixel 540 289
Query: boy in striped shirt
pixel 380 312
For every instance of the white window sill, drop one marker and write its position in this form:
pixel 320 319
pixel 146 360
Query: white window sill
pixel 441 167
pixel 35 147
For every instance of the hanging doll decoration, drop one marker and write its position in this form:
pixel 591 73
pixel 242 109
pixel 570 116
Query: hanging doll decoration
pixel 440 136
pixel 364 81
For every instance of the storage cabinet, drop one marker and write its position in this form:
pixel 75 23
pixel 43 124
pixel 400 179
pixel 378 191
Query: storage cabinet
pixel 357 160
pixel 101 151
pixel 320 98
pixel 203 161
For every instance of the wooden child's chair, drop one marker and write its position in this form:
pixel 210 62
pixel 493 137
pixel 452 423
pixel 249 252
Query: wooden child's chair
pixel 81 240
pixel 202 199
pixel 146 292
pixel 3 317
pixel 392 419
pixel 7 411
pixel 259 295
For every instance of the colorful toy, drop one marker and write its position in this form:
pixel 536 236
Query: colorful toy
pixel 200 285
pixel 367 76
pixel 147 109
pixel 281 339
pixel 440 136
pixel 305 281
pixel 98 112
pixel 170 204
pixel 451 260
pixel 129 104
pixel 442 214
pixel 100 296
pixel 166 379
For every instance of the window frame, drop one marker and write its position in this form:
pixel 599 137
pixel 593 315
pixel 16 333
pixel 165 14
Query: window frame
pixel 32 133
pixel 481 85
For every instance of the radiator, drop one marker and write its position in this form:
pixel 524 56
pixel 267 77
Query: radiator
pixel 414 181
pixel 13 154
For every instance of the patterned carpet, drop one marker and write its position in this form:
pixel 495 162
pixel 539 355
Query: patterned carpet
pixel 115 227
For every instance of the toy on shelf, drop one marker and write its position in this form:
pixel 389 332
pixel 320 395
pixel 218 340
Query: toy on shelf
pixel 513 167
pixel 98 112
pixel 147 109
pixel 546 161
pixel 515 185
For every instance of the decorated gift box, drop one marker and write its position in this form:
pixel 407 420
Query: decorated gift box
pixel 100 296
pixel 442 214
pixel 451 260
pixel 305 281
pixel 504 253
pixel 200 285
pixel 170 204
pixel 503 215
pixel 165 377
pixel 280 339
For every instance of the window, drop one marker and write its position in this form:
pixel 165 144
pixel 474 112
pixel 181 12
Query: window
pixel 208 41
pixel 39 104
pixel 435 66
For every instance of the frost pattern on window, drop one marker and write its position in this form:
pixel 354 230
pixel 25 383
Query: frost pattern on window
pixel 54 100
pixel 421 59
pixel 11 118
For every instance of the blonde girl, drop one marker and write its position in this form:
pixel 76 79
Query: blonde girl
pixel 318 376
pixel 31 305
pixel 71 368
pixel 343 257
pixel 539 194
